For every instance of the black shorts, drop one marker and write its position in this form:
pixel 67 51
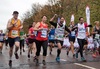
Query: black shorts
pixel 59 41
pixel 30 41
pixel 71 39
pixel 1 41
pixel 51 41
pixel 12 41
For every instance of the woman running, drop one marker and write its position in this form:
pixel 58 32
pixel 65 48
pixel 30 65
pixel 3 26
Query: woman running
pixel 41 39
pixel 31 40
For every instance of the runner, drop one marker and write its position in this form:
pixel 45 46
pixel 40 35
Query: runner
pixel 6 40
pixel 14 25
pixel 22 37
pixel 59 34
pixel 72 37
pixel 66 42
pixel 90 42
pixel 81 36
pixel 51 38
pixel 31 40
pixel 41 39
pixel 2 35
pixel 96 37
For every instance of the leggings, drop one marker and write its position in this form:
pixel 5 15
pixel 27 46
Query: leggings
pixel 44 45
pixel 81 45
pixel 21 44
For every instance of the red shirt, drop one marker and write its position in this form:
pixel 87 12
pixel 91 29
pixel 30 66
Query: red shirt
pixel 32 32
pixel 42 34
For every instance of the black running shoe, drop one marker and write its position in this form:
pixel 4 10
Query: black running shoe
pixel 16 56
pixel 73 55
pixel 37 62
pixel 23 50
pixel 10 63
pixel 28 56
pixel 67 53
pixel 44 62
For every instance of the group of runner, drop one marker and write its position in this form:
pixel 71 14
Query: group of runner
pixel 40 35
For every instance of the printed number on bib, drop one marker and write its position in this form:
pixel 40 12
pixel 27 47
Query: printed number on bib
pixel 14 33
pixel 52 36
pixel 1 38
pixel 97 36
pixel 44 33
pixel 73 33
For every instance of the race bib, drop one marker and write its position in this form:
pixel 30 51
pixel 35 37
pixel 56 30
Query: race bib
pixel 73 33
pixel 1 38
pixel 14 33
pixel 44 33
pixel 97 36
pixel 52 36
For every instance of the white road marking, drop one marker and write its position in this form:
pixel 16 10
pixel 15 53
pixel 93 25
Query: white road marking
pixel 63 60
pixel 84 66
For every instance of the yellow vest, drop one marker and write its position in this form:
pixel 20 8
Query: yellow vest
pixel 15 31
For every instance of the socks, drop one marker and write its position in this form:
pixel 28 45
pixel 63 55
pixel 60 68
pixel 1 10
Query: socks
pixel 58 52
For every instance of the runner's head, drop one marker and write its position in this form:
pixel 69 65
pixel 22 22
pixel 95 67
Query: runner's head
pixel 96 23
pixel 52 27
pixel 1 31
pixel 44 19
pixel 72 23
pixel 62 20
pixel 15 14
pixel 34 23
pixel 81 20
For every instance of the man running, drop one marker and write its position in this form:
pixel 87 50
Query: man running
pixel 51 37
pixel 59 34
pixel 81 36
pixel 14 26
pixel 22 37
pixel 2 35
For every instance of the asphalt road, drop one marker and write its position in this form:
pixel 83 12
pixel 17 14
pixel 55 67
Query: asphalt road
pixel 67 62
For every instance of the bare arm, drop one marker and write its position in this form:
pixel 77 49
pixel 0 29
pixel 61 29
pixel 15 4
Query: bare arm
pixel 9 25
pixel 53 17
pixel 36 28
pixel 93 31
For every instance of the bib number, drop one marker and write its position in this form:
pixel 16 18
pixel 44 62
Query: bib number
pixel 14 33
pixel 52 36
pixel 97 36
pixel 44 33
pixel 1 38
pixel 73 33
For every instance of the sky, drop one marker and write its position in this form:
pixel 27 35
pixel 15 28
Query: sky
pixel 8 6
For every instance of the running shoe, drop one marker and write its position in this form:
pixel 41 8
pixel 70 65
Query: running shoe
pixel 67 53
pixel 58 59
pixel 44 62
pixel 94 55
pixel 10 63
pixel 37 62
pixel 73 55
pixel 16 56
pixel 76 55
pixel 28 56
pixel 83 59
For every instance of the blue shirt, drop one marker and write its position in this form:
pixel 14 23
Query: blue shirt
pixel 51 34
